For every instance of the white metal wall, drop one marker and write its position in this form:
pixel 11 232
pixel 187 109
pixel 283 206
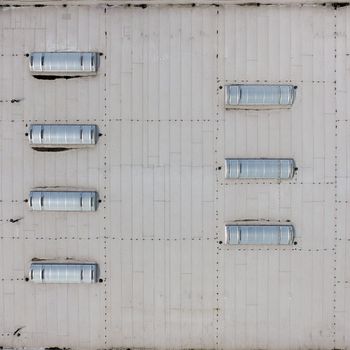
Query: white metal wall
pixel 168 282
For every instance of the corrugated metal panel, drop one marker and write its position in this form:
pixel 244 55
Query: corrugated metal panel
pixel 63 273
pixel 63 200
pixel 157 170
pixel 250 95
pixel 259 168
pixel 63 63
pixel 54 134
pixel 259 234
